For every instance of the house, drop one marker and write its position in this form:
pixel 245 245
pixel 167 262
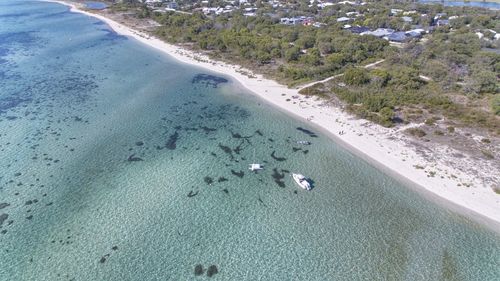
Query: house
pixel 442 22
pixel 308 21
pixel 395 12
pixel 172 5
pixel 439 15
pixel 324 5
pixel 359 29
pixel 379 32
pixel 409 12
pixel 417 32
pixel 399 37
pixel 407 19
pixel 293 21
pixel 153 2
pixel 343 19
pixel 347 3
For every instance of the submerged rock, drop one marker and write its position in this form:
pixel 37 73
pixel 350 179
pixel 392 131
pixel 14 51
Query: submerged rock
pixel 198 270
pixel 239 174
pixel 172 140
pixel 208 80
pixel 132 158
pixel 222 179
pixel 192 194
pixel 4 205
pixel 207 129
pixel 307 132
pixel 277 176
pixel 208 180
pixel 226 149
pixel 280 159
pixel 212 270
pixel 3 217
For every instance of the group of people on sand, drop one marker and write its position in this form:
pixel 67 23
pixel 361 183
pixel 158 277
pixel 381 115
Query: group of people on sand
pixel 341 133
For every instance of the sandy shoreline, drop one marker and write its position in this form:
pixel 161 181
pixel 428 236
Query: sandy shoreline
pixel 386 148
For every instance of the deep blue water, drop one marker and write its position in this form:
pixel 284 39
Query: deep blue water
pixel 488 5
pixel 119 163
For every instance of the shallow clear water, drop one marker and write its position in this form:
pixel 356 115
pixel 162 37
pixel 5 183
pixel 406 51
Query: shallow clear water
pixel 120 164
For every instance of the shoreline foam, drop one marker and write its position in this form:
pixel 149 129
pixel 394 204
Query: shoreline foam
pixel 385 148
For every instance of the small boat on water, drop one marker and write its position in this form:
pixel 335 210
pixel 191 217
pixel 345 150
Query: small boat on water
pixel 302 181
pixel 255 167
pixel 304 142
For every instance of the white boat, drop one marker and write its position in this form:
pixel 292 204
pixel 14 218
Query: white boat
pixel 302 181
pixel 255 167
pixel 304 142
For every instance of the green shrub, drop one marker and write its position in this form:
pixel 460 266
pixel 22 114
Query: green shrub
pixel 356 76
pixel 496 189
pixel 487 154
pixel 429 121
pixel 495 104
pixel 416 132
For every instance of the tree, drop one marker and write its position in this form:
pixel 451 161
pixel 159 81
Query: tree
pixel 386 116
pixel 313 57
pixel 335 61
pixel 356 76
pixel 495 105
pixel 486 82
pixel 292 54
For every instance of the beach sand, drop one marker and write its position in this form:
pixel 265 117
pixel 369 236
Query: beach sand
pixel 387 148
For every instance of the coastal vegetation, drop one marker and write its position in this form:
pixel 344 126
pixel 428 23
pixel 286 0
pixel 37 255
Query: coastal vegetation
pixel 291 54
pixel 450 73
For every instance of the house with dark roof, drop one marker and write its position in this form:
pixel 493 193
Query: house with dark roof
pixel 379 32
pixel 442 22
pixel 399 37
pixel 359 29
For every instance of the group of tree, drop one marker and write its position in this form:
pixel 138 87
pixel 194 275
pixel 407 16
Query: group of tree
pixel 454 58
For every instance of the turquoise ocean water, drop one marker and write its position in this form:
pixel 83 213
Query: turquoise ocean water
pixel 118 163
pixel 483 4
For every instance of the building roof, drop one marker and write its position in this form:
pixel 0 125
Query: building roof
pixel 359 29
pixel 397 37
pixel 443 22
pixel 379 32
pixel 343 19
pixel 407 19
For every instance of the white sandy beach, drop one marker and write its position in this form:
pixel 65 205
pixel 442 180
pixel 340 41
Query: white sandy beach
pixel 387 148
